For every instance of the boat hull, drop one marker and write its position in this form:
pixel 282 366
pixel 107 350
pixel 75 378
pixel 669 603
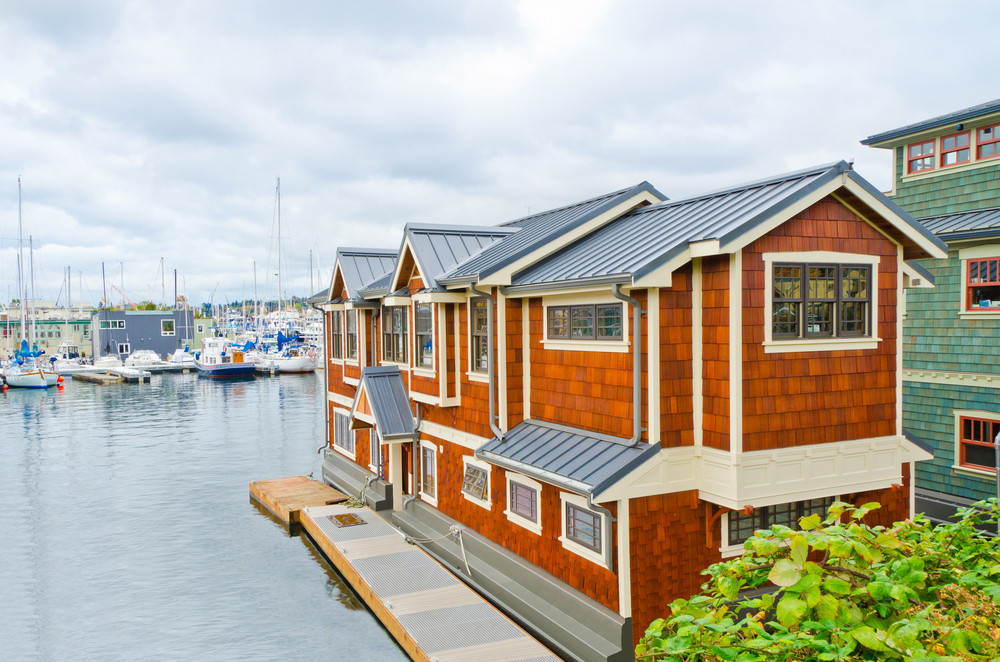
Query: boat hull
pixel 31 379
pixel 285 365
pixel 225 370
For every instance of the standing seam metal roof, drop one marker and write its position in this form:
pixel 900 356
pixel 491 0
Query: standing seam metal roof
pixel 538 229
pixel 363 265
pixel 438 248
pixel 935 122
pixel 388 400
pixel 981 222
pixel 642 240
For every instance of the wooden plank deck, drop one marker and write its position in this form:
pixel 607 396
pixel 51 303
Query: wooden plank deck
pixel 286 497
pixel 98 378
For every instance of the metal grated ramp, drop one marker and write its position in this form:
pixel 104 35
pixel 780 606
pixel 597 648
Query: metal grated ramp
pixel 435 616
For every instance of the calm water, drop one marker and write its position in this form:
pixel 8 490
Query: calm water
pixel 127 533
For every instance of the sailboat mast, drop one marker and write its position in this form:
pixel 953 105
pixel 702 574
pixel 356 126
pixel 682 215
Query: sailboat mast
pixel 20 264
pixel 31 264
pixel 69 306
pixel 280 309
pixel 163 286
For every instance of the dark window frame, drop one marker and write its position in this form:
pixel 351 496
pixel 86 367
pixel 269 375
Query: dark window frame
pixel 956 149
pixel 574 532
pixel 970 427
pixel 395 337
pixel 764 517
pixel 530 499
pixel 993 142
pixel 423 349
pixel 336 335
pixel 990 266
pixel 911 159
pixel 569 322
pixel 807 326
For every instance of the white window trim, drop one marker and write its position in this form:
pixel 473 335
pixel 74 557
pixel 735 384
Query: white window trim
pixel 729 551
pixel 424 372
pixel 426 497
pixel 772 346
pixel 420 370
pixel 373 443
pixel 402 366
pixel 582 299
pixel 473 375
pixel 534 527
pixel 964 255
pixel 956 440
pixel 572 546
pixel 167 333
pixel 479 464
pixel 343 451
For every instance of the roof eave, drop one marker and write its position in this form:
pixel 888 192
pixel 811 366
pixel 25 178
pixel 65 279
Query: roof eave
pixel 574 284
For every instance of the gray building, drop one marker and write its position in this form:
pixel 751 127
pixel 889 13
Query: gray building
pixel 119 333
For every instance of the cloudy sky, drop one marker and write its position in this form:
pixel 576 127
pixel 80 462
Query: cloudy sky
pixel 144 130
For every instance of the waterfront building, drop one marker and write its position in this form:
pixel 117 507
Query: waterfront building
pixel 607 397
pixel 120 332
pixel 946 172
pixel 53 326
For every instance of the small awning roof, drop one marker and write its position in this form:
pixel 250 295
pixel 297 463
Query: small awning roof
pixel 382 399
pixel 919 445
pixel 580 461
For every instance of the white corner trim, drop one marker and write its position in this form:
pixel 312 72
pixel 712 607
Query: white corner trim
pixel 624 560
pixel 501 358
pixel 697 397
pixel 653 363
pixel 729 551
pixel 520 520
pixel 575 547
pixel 482 503
pixel 463 439
pixel 526 355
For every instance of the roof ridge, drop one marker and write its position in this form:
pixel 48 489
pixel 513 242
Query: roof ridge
pixel 574 204
pixel 457 229
pixel 367 251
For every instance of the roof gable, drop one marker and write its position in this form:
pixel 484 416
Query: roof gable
pixel 355 267
pixel 434 249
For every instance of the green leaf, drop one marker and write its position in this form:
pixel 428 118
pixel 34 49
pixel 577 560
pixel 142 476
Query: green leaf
pixel 784 573
pixel 900 593
pixel 837 586
pixel 729 587
pixel 811 522
pixel 867 638
pixel 812 597
pixel 790 611
pixel 841 548
pixel 764 546
pixel 879 590
pixel 827 607
pixel 728 654
pixel 800 549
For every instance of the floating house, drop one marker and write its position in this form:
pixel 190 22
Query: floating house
pixel 946 172
pixel 118 333
pixel 607 397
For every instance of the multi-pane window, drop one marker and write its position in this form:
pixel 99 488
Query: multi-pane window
pixel 591 322
pixel 480 340
pixel 111 324
pixel 343 436
pixel 336 335
pixel 820 300
pixel 424 331
pixel 920 157
pixel 955 149
pixel 976 449
pixel 475 481
pixel 427 471
pixel 984 283
pixel 583 527
pixel 352 333
pixel 988 142
pixel 394 326
pixel 742 526
pixel 167 327
pixel 124 348
pixel 523 501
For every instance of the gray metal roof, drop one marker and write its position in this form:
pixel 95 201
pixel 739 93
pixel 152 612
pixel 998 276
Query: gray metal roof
pixel 639 242
pixel 388 400
pixel 917 441
pixel 965 225
pixel 926 275
pixel 378 287
pixel 538 229
pixel 578 460
pixel 935 122
pixel 438 248
pixel 363 265
pixel 320 297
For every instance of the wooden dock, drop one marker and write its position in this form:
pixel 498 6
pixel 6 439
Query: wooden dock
pixel 98 378
pixel 286 497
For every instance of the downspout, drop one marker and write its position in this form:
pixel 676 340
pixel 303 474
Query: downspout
pixel 375 315
pixel 413 459
pixel 489 356
pixel 637 312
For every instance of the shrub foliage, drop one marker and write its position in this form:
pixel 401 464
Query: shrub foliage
pixel 845 591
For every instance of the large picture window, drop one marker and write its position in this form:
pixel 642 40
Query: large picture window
pixel 742 526
pixel 975 440
pixel 336 335
pixel 820 301
pixel 984 283
pixel 424 332
pixel 394 326
pixel 590 322
pixel 480 346
pixel 351 317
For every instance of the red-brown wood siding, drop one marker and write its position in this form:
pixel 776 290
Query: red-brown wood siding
pixel 416 284
pixel 676 401
pixel 514 339
pixel 715 351
pixel 803 398
pixel 545 550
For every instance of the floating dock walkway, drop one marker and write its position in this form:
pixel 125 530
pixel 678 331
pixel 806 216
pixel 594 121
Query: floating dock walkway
pixel 433 615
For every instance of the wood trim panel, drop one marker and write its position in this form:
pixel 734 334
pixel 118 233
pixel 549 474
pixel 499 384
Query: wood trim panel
pixel 715 351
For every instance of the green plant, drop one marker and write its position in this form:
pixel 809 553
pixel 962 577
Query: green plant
pixel 845 591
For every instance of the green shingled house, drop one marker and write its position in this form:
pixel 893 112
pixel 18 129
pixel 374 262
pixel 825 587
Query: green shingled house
pixel 947 175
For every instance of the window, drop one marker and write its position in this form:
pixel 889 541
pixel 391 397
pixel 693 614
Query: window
pixel 742 527
pixel 523 501
pixel 112 324
pixel 428 462
pixel 583 527
pixel 424 331
pixel 352 333
pixel 124 348
pixel 976 449
pixel 394 333
pixel 475 482
pixel 984 283
pixel 336 335
pixel 166 327
pixel 920 157
pixel 955 149
pixel 591 322
pixel 480 340
pixel 988 142
pixel 833 301
pixel 343 436
pixel 201 328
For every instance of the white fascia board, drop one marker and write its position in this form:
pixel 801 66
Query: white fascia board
pixel 398 271
pixel 333 279
pixel 396 301
pixel 704 248
pixel 502 277
pixel 911 276
pixel 896 221
pixel 439 297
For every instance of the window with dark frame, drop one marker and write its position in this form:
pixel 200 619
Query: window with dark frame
pixel 583 527
pixel 424 331
pixel 394 333
pixel 920 157
pixel 988 142
pixel 343 436
pixel 523 501
pixel 976 449
pixel 427 471
pixel 955 149
pixel 742 526
pixel 820 301
pixel 336 335
pixel 983 283
pixel 475 481
pixel 589 322
pixel 480 341
pixel 352 333
pixel 167 328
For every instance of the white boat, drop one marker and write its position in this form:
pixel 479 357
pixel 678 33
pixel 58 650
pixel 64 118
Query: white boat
pixel 141 358
pixel 290 360
pixel 183 357
pixel 29 376
pixel 108 361
pixel 219 359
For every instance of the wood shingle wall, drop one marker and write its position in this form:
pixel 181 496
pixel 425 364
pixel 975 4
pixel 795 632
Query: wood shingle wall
pixel 715 350
pixel 676 389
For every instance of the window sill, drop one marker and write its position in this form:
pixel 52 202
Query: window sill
pixel 732 551
pixel 979 473
pixel 351 381
pixel 343 451
pixel 820 345
pixel 339 362
pixel 424 372
pixel 988 314
pixel 582 551
pixel 481 377
pixel 352 362
pixel 428 499
pixel 614 346
pixel 401 366
pixel 522 522
pixel 479 502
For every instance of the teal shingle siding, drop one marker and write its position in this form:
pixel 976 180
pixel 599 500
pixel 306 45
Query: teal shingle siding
pixel 947 192
pixel 928 410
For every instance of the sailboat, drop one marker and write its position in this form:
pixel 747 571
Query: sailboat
pixel 23 371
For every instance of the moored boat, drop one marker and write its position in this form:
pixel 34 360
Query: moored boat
pixel 218 358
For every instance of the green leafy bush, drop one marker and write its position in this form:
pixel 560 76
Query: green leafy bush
pixel 845 591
